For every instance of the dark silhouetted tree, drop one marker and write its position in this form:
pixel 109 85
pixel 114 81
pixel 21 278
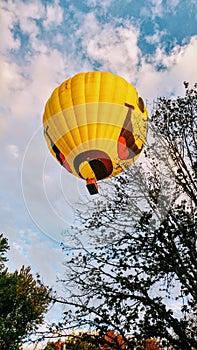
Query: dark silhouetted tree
pixel 140 275
pixel 23 302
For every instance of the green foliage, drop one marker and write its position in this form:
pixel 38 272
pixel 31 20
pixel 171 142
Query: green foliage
pixel 75 342
pixel 82 343
pixel 145 259
pixel 23 303
pixel 3 249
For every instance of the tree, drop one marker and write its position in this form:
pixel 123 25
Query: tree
pixel 3 249
pixel 50 346
pixel 87 341
pixel 84 342
pixel 112 339
pixel 147 226
pixel 23 302
pixel 81 341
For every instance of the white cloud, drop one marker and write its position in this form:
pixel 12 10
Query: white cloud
pixel 54 14
pixel 24 15
pixel 7 40
pixel 156 37
pixel 172 4
pixel 59 38
pixel 25 90
pixel 47 71
pixel 114 45
pixel 3 127
pixel 13 151
pixel 183 64
pixel 104 4
pixel 180 66
pixel 115 48
pixel 10 78
pixel 157 8
pixel 27 11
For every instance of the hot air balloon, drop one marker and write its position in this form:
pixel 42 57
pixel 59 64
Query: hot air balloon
pixel 95 125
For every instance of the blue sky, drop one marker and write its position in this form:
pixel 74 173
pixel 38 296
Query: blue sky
pixel 152 44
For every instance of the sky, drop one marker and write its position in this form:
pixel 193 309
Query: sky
pixel 152 44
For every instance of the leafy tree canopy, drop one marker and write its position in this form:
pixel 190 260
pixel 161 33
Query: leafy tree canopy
pixel 87 341
pixel 23 302
pixel 3 249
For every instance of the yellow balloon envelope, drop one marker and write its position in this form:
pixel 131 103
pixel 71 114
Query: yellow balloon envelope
pixel 95 125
